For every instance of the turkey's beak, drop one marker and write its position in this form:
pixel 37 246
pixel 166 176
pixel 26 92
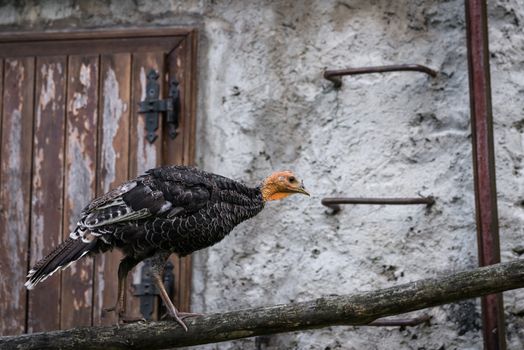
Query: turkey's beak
pixel 302 190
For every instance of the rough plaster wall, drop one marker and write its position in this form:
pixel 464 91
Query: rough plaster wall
pixel 263 105
pixel 507 80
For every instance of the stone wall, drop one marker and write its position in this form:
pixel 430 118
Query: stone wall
pixel 263 105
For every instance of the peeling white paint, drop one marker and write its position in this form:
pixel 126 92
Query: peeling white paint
pixel 38 224
pixel 48 99
pixel 73 268
pixel 16 226
pixel 80 174
pixel 79 100
pixel 114 107
pixel 101 260
pixel 15 220
pixel 48 94
pixel 12 64
pixel 137 273
pixel 80 177
pixel 77 304
pixel 85 75
pixel 142 83
pixel 48 91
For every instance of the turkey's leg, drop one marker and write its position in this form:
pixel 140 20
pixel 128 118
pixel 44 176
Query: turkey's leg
pixel 157 268
pixel 125 266
pixel 171 309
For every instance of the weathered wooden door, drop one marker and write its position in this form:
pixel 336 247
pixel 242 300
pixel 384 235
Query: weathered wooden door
pixel 70 130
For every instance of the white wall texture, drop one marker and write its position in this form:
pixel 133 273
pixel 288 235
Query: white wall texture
pixel 264 106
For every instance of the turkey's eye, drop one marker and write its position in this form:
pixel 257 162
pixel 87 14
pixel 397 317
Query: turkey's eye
pixel 292 179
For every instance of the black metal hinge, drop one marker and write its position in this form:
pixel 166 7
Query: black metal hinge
pixel 152 106
pixel 147 291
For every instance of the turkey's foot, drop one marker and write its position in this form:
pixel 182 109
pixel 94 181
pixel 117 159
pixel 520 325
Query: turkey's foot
pixel 176 316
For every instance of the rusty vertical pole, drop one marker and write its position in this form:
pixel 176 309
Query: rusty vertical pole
pixel 484 166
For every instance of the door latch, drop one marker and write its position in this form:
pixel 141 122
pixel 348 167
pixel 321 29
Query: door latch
pixel 147 291
pixel 152 106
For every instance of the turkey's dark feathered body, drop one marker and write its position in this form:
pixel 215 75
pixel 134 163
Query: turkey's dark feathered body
pixel 190 210
pixel 173 209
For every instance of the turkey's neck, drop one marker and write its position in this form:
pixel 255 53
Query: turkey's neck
pixel 271 192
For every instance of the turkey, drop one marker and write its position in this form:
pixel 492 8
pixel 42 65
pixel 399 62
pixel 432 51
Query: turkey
pixel 171 209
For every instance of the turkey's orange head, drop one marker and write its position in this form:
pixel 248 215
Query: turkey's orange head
pixel 280 185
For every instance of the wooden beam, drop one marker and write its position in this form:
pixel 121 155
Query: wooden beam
pixel 355 309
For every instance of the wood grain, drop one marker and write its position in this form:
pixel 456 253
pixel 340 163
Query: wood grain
pixel 182 63
pixel 80 186
pixel 84 142
pixel 173 151
pixel 115 91
pixel 189 153
pixel 47 186
pixel 142 154
pixel 1 113
pixel 15 175
pixel 192 60
pixel 84 47
pixel 101 33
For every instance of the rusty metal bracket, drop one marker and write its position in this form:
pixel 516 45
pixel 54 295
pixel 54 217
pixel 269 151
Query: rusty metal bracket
pixel 152 106
pixel 334 203
pixel 335 75
pixel 147 291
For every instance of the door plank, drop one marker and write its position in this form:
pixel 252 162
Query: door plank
pixel 1 112
pixel 181 150
pixel 188 67
pixel 190 101
pixel 80 185
pixel 174 150
pixel 115 97
pixel 15 173
pixel 46 201
pixel 142 154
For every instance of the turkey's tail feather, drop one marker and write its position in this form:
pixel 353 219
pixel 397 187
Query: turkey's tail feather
pixel 64 255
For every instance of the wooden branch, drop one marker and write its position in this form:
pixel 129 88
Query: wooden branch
pixel 356 309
